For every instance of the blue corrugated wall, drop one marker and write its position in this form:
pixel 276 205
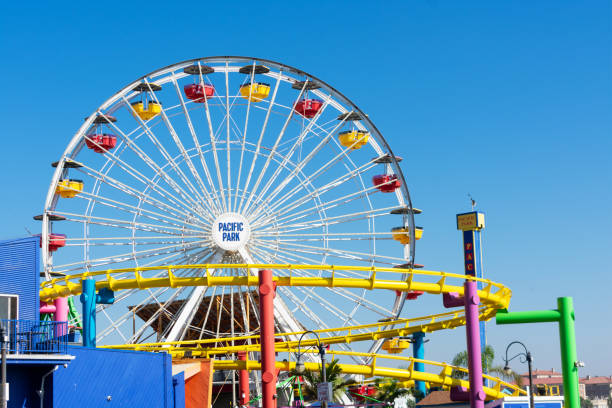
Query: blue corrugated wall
pixel 178 381
pixel 20 273
pixel 130 378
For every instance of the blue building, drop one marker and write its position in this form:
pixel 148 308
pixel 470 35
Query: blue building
pixel 44 370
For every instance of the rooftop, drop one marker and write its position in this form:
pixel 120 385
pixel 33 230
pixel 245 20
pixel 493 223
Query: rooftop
pixel 438 398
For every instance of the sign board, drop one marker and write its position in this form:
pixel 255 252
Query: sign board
pixel 231 231
pixel 469 252
pixel 470 221
pixel 324 391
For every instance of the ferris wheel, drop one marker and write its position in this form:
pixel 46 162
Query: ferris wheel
pixel 228 160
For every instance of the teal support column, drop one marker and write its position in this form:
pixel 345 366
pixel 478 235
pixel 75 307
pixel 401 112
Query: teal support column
pixel 567 338
pixel 418 352
pixel 88 300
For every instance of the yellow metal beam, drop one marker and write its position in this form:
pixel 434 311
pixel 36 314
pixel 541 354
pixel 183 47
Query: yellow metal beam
pixel 493 296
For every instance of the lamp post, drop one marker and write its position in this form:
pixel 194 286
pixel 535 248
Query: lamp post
pixel 300 367
pixel 527 357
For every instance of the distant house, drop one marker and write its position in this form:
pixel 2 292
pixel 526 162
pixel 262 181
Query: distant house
pixel 597 389
pixel 548 382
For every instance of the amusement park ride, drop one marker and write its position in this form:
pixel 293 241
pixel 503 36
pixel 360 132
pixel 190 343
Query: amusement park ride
pixel 226 205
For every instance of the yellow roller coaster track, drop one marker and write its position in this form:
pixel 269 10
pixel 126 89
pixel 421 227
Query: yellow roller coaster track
pixel 493 296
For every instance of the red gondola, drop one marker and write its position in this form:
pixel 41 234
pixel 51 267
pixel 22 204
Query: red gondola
pixel 387 183
pixel 101 141
pixel 196 92
pixel 308 107
pixel 411 294
pixel 56 241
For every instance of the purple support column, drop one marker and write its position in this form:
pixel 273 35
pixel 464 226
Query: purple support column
pixel 472 327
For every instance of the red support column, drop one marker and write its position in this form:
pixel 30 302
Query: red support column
pixel 268 360
pixel 243 381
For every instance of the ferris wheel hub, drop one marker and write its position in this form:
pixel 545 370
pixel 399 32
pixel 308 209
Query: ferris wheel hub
pixel 231 231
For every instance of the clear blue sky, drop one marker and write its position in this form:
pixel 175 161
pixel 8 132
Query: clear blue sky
pixel 510 101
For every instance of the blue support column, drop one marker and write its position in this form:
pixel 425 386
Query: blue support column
pixel 418 352
pixel 88 300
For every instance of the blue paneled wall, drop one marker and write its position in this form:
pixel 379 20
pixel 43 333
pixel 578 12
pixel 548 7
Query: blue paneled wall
pixel 20 273
pixel 115 378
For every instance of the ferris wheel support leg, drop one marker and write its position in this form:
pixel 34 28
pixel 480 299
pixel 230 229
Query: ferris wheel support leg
pixel 472 326
pixel 268 358
pixel 418 352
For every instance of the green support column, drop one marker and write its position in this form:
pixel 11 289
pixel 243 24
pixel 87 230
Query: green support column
pixel 567 338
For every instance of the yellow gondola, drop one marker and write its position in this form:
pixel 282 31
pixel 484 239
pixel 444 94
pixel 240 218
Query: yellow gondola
pixel 255 92
pixel 69 188
pixel 355 139
pixel 402 234
pixel 396 345
pixel 153 109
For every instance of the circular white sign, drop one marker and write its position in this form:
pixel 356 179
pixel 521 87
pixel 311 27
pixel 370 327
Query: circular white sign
pixel 231 231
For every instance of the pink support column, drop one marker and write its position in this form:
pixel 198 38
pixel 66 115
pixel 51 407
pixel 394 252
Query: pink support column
pixel 243 381
pixel 472 327
pixel 268 360
pixel 61 315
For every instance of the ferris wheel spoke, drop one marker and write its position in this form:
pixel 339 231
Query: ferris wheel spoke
pixel 153 165
pixel 244 135
pixel 127 224
pixel 138 176
pixel 339 202
pixel 137 211
pixel 292 256
pixel 301 303
pixel 327 166
pixel 347 294
pixel 205 320
pixel 321 222
pixel 275 147
pixel 336 182
pixel 301 164
pixel 155 316
pixel 214 203
pixel 270 182
pixel 187 160
pixel 162 305
pixel 132 192
pixel 229 172
pixel 190 306
pixel 147 253
pixel 193 258
pixel 160 147
pixel 345 253
pixel 213 145
pixel 241 209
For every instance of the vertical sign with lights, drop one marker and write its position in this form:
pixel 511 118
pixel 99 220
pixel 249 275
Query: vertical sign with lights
pixel 471 224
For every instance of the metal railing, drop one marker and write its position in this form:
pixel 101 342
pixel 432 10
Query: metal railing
pixel 36 337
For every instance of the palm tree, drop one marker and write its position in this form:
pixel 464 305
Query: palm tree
pixel 389 389
pixel 488 356
pixel 312 378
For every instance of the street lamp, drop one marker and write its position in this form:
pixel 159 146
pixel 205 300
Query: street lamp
pixel 299 365
pixel 526 356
